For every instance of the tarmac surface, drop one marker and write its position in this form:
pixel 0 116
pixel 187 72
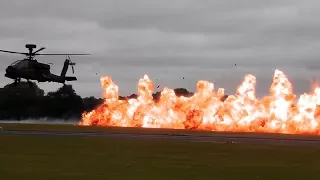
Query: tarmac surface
pixel 194 138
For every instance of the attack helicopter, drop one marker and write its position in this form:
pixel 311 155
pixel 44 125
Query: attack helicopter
pixel 30 69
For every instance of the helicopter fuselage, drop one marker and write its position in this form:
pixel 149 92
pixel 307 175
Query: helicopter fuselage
pixel 33 70
pixel 27 69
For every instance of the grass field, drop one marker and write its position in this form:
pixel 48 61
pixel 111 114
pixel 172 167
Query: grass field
pixel 75 128
pixel 84 158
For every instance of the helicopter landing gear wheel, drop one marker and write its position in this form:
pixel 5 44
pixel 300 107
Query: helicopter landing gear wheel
pixel 16 81
pixel 30 83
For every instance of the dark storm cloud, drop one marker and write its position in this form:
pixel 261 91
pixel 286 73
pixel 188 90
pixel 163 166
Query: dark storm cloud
pixel 216 40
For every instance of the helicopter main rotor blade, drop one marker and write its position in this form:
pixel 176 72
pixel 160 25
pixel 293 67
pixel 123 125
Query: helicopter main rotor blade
pixel 13 52
pixel 60 54
pixel 39 50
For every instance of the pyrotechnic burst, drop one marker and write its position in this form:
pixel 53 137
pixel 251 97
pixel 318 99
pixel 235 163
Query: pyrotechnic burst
pixel 277 113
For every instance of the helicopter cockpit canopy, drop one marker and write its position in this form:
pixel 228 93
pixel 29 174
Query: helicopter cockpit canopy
pixel 16 62
pixel 20 64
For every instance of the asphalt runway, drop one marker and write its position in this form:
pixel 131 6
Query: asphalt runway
pixel 194 138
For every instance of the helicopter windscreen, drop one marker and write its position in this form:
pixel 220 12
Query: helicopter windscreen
pixel 15 63
pixel 20 64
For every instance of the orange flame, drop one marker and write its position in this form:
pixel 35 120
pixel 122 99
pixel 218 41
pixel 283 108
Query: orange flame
pixel 276 113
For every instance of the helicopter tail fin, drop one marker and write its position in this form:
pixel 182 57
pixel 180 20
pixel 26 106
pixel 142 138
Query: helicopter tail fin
pixel 65 68
pixel 63 76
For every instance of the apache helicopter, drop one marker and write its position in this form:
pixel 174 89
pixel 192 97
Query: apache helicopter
pixel 30 69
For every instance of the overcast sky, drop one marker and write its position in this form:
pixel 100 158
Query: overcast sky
pixel 168 40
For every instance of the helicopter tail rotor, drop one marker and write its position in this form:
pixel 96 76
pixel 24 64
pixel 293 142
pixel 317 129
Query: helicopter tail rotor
pixel 72 64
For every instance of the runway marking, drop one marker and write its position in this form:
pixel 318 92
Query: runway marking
pixel 196 138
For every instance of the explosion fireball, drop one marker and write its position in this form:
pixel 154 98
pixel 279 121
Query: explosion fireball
pixel 280 112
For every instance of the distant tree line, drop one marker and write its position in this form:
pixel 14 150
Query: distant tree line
pixel 24 102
